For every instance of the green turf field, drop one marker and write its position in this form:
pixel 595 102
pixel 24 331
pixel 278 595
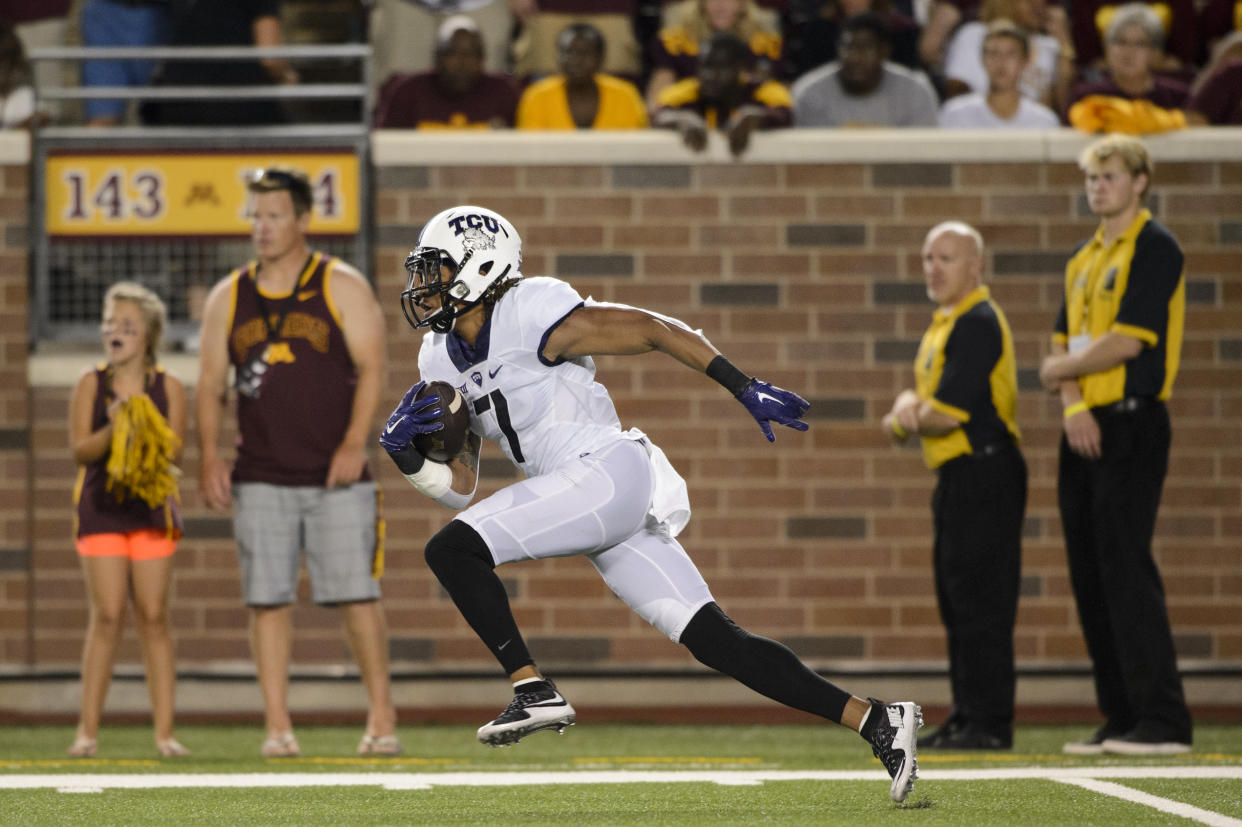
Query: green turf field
pixel 605 774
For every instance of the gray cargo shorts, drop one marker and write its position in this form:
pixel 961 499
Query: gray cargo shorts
pixel 335 527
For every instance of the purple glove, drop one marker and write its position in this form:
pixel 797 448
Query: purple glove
pixel 768 403
pixel 410 418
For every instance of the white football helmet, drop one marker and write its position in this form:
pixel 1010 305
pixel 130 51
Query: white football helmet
pixel 481 249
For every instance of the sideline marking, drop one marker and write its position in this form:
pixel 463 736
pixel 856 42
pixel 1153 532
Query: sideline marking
pixel 426 780
pixel 1086 777
pixel 1164 805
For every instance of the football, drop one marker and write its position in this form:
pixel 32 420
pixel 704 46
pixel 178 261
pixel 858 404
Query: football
pixel 447 442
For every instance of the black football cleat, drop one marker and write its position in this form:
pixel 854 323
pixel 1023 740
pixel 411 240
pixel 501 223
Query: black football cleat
pixel 894 740
pixel 531 710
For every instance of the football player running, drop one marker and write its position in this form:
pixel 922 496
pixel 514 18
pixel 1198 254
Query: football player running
pixel 520 351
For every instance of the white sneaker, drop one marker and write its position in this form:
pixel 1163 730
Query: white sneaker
pixel 894 740
pixel 531 710
pixel 1131 746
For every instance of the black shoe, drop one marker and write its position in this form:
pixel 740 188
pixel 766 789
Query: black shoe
pixel 1093 745
pixel 1148 739
pixel 535 706
pixel 892 731
pixel 972 738
pixel 934 740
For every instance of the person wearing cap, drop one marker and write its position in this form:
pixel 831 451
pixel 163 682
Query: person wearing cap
pixel 404 33
pixel 456 94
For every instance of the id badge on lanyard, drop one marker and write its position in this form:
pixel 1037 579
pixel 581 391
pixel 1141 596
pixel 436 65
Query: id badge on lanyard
pixel 1083 338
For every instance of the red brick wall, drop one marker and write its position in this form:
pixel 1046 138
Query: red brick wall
pixel 804 273
pixel 15 558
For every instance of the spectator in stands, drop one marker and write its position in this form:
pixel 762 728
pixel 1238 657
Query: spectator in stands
pixel 40 23
pixel 131 23
pixel 456 94
pixel 404 33
pixel 675 50
pixel 723 97
pixel 943 18
pixel 1216 95
pixel 223 23
pixel 864 88
pixel 581 97
pixel 1048 73
pixel 536 50
pixel 17 97
pixel 769 14
pixel 1133 46
pixel 126 426
pixel 1090 21
pixel 816 39
pixel 1217 19
pixel 1006 54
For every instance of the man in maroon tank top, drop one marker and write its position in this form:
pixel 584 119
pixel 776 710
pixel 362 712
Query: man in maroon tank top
pixel 305 337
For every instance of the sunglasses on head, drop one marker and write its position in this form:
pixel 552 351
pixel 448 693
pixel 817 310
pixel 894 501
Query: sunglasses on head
pixel 274 176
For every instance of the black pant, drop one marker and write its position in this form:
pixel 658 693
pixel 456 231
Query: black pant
pixel 978 506
pixel 1108 512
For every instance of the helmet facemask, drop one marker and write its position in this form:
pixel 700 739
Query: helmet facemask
pixel 425 266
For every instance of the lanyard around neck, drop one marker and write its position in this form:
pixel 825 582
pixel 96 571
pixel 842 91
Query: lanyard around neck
pixel 273 331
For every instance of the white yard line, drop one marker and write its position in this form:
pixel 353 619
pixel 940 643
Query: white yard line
pixel 1164 805
pixel 426 780
pixel 1087 777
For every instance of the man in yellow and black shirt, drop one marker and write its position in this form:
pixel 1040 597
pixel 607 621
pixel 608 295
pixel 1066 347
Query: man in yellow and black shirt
pixel 1115 353
pixel 962 406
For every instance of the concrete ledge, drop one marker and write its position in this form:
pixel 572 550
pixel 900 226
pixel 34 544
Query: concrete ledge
pixel 466 148
pixel 14 146
pixel 63 369
pixel 391 148
pixel 707 698
pixel 228 691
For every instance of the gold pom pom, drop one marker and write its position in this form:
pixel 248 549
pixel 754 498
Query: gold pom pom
pixel 143 446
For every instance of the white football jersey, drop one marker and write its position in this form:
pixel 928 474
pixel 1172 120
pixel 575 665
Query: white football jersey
pixel 542 414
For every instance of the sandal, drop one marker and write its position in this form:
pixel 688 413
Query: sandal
pixel 83 747
pixel 281 746
pixel 379 745
pixel 170 748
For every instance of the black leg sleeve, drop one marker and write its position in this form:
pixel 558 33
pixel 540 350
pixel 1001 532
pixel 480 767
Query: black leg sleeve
pixel 463 564
pixel 766 666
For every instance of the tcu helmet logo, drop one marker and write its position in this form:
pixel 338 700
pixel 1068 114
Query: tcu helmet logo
pixel 477 223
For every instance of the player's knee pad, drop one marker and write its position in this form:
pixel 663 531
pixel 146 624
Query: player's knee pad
pixel 712 636
pixel 455 546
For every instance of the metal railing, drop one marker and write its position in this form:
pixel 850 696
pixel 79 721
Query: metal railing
pixel 71 272
pixel 348 52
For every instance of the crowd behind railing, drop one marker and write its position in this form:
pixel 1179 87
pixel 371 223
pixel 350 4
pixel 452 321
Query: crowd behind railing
pixel 689 65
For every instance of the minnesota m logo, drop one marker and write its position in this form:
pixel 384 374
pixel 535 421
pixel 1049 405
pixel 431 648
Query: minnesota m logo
pixel 278 352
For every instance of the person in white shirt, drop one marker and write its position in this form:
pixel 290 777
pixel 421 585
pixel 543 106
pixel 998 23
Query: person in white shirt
pixel 519 350
pixel 1006 52
pixel 1049 72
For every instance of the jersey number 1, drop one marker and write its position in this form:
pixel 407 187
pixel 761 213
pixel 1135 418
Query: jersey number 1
pixel 497 399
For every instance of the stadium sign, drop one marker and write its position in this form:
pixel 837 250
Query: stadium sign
pixel 195 193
